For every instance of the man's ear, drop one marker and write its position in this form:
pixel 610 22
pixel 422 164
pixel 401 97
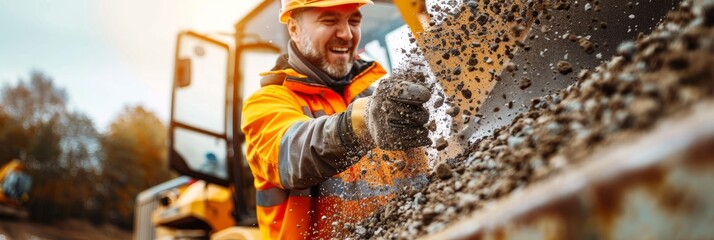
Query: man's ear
pixel 294 29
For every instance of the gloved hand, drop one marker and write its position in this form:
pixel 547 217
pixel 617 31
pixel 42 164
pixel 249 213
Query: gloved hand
pixel 394 117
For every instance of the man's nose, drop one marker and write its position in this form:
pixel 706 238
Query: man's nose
pixel 344 32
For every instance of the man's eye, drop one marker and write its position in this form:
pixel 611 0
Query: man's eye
pixel 329 21
pixel 355 21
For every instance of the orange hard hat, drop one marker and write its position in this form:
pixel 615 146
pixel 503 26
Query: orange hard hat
pixel 289 5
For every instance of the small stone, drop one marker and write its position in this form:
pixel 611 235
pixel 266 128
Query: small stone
pixel 626 49
pixel 515 142
pixel 493 47
pixel 524 83
pixel 429 214
pixel 457 71
pixel 360 230
pixel 585 73
pixel 564 67
pixel 431 126
pixel 453 111
pixel 443 171
pixel 458 186
pixel 472 61
pixel 466 93
pixel 438 102
pixel 441 143
pixel 400 164
pixel 708 13
pixel 586 45
pixel 482 19
pixel 510 67
pixel 466 199
pixel 644 108
pixel 553 128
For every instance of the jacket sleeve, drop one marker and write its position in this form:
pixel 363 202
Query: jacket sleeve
pixel 291 150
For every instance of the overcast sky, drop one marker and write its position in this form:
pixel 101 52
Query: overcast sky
pixel 106 54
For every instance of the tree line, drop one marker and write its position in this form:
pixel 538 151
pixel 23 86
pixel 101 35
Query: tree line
pixel 77 171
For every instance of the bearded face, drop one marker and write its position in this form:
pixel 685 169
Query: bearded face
pixel 327 37
pixel 335 67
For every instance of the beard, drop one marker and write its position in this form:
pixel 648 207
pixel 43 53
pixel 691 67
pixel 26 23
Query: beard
pixel 318 57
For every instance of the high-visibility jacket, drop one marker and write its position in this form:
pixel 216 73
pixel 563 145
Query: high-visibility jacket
pixel 307 184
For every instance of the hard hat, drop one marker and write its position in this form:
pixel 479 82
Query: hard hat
pixel 289 5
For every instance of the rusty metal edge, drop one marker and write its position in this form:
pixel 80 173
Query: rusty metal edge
pixel 555 196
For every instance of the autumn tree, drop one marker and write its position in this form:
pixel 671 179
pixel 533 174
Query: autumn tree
pixel 134 159
pixel 79 160
pixel 34 102
pixel 13 138
pixel 57 147
pixel 77 171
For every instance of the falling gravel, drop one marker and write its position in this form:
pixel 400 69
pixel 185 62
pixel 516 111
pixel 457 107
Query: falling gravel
pixel 654 77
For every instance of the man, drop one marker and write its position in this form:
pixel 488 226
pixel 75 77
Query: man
pixel 310 126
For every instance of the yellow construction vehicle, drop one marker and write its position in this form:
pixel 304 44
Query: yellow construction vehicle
pixel 16 184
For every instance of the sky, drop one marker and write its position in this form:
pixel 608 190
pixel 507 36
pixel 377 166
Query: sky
pixel 106 54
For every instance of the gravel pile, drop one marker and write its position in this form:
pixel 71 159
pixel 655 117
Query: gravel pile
pixel 654 77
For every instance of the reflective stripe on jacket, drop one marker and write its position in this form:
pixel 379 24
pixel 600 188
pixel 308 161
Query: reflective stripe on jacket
pixel 308 185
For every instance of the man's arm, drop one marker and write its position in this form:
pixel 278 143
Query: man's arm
pixel 289 149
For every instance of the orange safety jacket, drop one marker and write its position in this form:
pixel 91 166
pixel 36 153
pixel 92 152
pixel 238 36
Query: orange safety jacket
pixel 308 185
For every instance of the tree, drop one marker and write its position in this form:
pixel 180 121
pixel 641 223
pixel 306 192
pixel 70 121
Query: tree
pixel 134 158
pixel 80 163
pixel 13 138
pixel 35 102
pixel 58 148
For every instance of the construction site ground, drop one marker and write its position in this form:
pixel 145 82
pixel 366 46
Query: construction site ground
pixel 14 229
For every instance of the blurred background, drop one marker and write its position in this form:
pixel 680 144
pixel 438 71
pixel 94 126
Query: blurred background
pixel 84 102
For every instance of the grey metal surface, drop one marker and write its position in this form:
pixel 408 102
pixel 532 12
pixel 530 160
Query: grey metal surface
pixel 655 185
pixel 623 21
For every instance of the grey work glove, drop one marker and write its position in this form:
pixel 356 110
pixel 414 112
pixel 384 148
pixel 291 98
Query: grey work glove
pixel 394 117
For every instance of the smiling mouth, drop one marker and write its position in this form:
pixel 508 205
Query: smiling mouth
pixel 340 50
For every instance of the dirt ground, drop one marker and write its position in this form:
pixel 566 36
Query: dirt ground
pixel 13 229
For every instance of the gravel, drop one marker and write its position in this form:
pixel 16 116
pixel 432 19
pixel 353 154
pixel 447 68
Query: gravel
pixel 654 77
